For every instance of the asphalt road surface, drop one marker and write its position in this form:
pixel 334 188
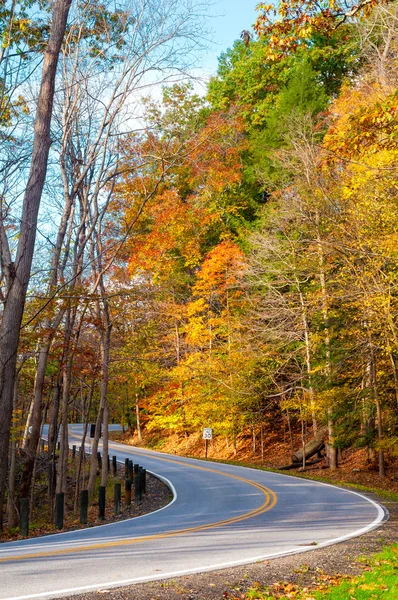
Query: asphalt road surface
pixel 221 516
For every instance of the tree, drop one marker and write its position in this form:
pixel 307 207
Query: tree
pixel 291 24
pixel 16 273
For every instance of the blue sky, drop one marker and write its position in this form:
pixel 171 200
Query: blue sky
pixel 230 18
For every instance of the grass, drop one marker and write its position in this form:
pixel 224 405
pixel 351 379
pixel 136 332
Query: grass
pixel 379 581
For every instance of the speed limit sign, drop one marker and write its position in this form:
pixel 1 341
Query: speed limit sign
pixel 207 433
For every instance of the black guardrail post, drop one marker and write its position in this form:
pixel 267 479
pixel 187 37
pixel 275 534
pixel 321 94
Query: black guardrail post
pixel 24 517
pixel 83 506
pixel 117 496
pixel 127 492
pixel 59 510
pixel 101 502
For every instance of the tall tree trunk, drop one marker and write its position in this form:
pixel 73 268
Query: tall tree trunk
pixel 33 422
pixel 80 469
pixel 52 437
pixel 289 426
pixel 105 446
pixel 18 273
pixel 105 347
pixel 31 443
pixel 94 450
pixel 12 512
pixel 308 359
pixel 331 449
pixel 138 418
pixel 64 437
pixel 382 472
pixel 66 384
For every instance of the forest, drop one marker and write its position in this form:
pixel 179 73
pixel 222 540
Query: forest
pixel 178 261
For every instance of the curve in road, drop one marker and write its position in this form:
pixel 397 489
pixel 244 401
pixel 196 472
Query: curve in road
pixel 221 516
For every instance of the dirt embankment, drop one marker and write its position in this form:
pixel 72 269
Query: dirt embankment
pixel 355 467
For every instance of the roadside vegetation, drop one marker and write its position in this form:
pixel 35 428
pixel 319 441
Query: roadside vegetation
pixel 379 581
pixel 42 518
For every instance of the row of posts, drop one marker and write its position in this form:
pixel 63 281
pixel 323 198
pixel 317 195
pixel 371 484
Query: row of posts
pixel 134 476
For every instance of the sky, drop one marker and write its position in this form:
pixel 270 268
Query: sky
pixel 230 18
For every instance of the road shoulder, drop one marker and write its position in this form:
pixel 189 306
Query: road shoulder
pixel 303 569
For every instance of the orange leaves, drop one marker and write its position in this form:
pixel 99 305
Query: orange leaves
pixel 169 236
pixel 215 158
pixel 215 295
pixel 292 22
pixel 221 269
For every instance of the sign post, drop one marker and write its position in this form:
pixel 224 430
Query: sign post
pixel 207 435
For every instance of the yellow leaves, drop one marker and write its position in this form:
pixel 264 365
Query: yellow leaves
pixel 364 122
pixel 24 24
pixel 196 307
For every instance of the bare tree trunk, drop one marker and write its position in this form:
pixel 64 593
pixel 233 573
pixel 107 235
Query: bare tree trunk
pixel 31 438
pixel 64 437
pixel 52 437
pixel 66 384
pixel 105 347
pixel 289 426
pixel 12 512
pixel 308 359
pixel 25 436
pixel 31 443
pixel 17 274
pixel 137 414
pixel 302 437
pixel 80 469
pixel 331 450
pixel 105 446
pixel 382 471
pixel 94 450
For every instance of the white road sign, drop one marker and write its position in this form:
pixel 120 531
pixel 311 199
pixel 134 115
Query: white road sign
pixel 207 433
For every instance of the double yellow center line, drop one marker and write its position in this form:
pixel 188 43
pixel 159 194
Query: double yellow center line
pixel 269 502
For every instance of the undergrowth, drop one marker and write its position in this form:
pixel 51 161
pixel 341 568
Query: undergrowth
pixel 379 581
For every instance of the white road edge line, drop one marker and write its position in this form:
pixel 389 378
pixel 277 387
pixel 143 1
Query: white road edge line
pixel 382 516
pixel 18 543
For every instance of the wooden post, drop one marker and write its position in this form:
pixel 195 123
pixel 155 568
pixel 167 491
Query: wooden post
pixel 206 446
pixel 116 497
pixel 143 475
pixel 126 468
pixel 127 492
pixel 101 502
pixel 109 463
pixel 83 506
pixel 131 470
pixel 114 465
pixel 99 459
pixel 73 452
pixel 24 517
pixel 59 510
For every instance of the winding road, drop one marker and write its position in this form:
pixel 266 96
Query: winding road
pixel 220 516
